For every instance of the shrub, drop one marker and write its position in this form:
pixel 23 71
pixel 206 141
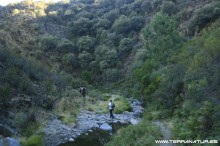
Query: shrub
pixel 85 58
pixel 86 43
pixel 125 46
pixel 66 46
pixel 87 76
pixel 122 24
pixel 34 140
pixel 70 59
pixel 48 43
pixel 121 105
pixel 169 8
pixel 140 135
pixel 15 12
pixel 205 15
pixel 112 75
pixel 5 91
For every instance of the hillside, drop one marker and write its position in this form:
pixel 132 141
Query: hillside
pixel 164 52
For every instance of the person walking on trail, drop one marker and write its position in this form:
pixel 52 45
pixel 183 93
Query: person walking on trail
pixel 111 106
pixel 82 91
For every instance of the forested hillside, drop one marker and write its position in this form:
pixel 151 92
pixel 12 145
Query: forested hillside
pixel 164 52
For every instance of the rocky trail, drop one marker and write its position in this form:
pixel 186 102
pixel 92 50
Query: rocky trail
pixel 165 131
pixel 56 132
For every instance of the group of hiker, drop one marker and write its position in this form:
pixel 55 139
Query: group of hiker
pixel 111 104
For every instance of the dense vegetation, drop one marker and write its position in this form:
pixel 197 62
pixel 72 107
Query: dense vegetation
pixel 164 52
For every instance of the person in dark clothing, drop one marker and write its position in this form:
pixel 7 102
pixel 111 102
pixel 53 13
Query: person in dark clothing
pixel 111 106
pixel 82 90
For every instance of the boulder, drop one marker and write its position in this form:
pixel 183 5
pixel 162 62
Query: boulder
pixel 12 142
pixel 71 139
pixel 134 121
pixel 106 127
pixel 1 144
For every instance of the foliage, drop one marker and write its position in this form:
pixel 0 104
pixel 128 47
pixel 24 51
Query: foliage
pixel 141 135
pixel 85 58
pixel 34 140
pixel 169 7
pixel 86 43
pixel 125 46
pixel 162 37
pixel 101 42
pixel 48 43
pixel 15 12
pixel 187 86
pixel 71 60
pixel 83 26
pixel 65 46
pixel 100 103
pixel 208 13
pixel 122 24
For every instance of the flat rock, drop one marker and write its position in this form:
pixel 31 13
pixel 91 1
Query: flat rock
pixel 12 142
pixel 106 127
pixel 134 121
pixel 1 144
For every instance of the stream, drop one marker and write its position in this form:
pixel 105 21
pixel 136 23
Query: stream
pixel 87 130
pixel 95 137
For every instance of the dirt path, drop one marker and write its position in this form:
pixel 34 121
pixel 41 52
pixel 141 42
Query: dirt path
pixel 165 132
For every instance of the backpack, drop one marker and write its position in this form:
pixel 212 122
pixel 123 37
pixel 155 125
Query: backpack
pixel 113 105
pixel 83 89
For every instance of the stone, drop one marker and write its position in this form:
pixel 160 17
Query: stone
pixel 12 142
pixel 106 127
pixel 134 121
pixel 1 144
pixel 71 139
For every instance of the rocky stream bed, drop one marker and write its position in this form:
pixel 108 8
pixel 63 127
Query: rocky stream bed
pixel 57 133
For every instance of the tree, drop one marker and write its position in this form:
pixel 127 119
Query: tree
pixel 169 8
pixel 122 24
pixel 70 59
pixel 15 12
pixel 85 58
pixel 41 13
pixel 48 43
pixel 66 46
pixel 161 37
pixel 105 57
pixel 112 15
pixel 86 43
pixel 111 75
pixel 125 46
pixel 82 26
pixel 103 23
pixel 137 22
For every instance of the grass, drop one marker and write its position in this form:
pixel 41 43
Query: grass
pixel 34 140
pixel 68 118
pixel 143 134
pixel 101 105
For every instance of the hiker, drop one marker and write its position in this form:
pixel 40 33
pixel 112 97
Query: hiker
pixel 111 106
pixel 82 90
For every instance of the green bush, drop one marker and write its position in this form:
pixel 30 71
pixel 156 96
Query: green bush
pixel 5 91
pixel 87 76
pixel 208 13
pixel 66 46
pixel 34 140
pixel 168 7
pixel 121 105
pixel 143 134
pixel 48 43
